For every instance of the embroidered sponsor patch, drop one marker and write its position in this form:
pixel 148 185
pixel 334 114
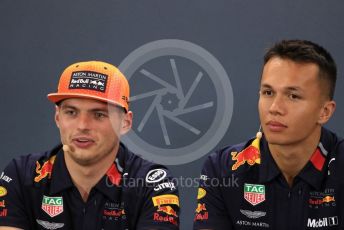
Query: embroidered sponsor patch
pixel 5 178
pixel 253 214
pixel 3 212
pixel 3 191
pixel 88 80
pixel 252 224
pixel 164 218
pixel 165 185
pixel 155 175
pixel 322 222
pixel 53 206
pixel 167 209
pixel 45 170
pixel 114 211
pixel 250 155
pixel 201 193
pixel 2 204
pixel 201 212
pixel 254 193
pixel 49 225
pixel 204 177
pixel 165 200
pixel 321 199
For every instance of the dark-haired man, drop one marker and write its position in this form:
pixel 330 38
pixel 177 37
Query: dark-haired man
pixel 288 177
pixel 91 181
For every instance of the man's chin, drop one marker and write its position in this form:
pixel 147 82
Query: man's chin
pixel 276 140
pixel 83 157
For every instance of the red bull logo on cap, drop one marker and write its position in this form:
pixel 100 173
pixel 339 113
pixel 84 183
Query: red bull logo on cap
pixel 45 170
pixel 250 155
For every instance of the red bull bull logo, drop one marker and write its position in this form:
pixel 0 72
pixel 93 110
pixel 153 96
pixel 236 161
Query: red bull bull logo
pixel 167 210
pixel 200 208
pixel 328 199
pixel 45 170
pixel 250 155
pixel 201 212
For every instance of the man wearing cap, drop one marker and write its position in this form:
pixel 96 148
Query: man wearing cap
pixel 288 176
pixel 91 181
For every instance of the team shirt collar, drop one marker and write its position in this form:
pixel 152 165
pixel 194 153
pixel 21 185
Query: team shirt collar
pixel 109 184
pixel 314 171
pixel 60 178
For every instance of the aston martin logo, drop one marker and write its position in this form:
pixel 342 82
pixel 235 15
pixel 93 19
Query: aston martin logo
pixel 48 225
pixel 252 214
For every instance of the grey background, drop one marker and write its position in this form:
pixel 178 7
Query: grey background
pixel 38 39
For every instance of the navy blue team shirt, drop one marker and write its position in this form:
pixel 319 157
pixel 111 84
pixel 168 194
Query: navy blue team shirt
pixel 242 188
pixel 36 192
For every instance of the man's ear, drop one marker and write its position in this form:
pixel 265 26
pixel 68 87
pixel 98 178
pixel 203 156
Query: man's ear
pixel 127 122
pixel 57 116
pixel 326 112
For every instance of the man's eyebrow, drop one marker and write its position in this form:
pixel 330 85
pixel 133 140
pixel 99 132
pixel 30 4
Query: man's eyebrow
pixel 99 110
pixel 64 106
pixel 266 86
pixel 289 88
pixel 294 88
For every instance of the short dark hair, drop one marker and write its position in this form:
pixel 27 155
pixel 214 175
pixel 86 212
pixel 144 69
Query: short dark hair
pixel 302 51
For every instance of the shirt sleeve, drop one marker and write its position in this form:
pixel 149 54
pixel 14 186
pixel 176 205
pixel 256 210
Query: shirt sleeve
pixel 211 212
pixel 160 205
pixel 12 207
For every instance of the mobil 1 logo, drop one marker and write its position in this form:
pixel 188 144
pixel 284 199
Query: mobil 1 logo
pixel 322 222
pixel 88 80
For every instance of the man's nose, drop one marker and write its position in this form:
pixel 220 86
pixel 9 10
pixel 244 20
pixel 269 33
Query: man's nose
pixel 277 106
pixel 84 121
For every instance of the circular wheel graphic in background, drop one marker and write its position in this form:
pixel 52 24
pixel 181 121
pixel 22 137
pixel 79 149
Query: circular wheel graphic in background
pixel 181 98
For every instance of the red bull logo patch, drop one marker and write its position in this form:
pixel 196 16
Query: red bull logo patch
pixel 2 204
pixel 167 210
pixel 53 206
pixel 3 213
pixel 322 199
pixel 45 170
pixel 328 199
pixel 114 213
pixel 250 155
pixel 164 218
pixel 201 212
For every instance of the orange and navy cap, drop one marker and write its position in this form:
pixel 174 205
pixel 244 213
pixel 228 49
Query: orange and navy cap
pixel 94 80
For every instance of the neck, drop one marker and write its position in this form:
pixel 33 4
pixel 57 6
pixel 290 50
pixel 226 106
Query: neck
pixel 85 177
pixel 292 158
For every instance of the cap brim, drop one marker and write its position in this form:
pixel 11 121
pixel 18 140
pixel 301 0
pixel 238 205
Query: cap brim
pixel 57 97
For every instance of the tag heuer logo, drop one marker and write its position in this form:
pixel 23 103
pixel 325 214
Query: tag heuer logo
pixel 254 193
pixel 53 206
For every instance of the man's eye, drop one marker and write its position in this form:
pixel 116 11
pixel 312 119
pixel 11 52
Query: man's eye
pixel 99 115
pixel 70 112
pixel 267 92
pixel 294 96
